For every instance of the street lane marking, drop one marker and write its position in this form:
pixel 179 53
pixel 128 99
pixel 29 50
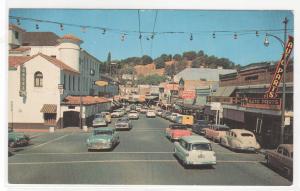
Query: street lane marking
pixel 81 153
pixel 53 140
pixel 117 161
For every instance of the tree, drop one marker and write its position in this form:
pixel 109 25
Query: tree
pixel 151 79
pixel 108 62
pixel 177 57
pixel 146 60
pixel 200 53
pixel 159 63
pixel 179 66
pixel 190 55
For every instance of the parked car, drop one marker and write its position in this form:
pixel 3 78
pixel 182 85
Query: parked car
pixel 281 159
pixel 195 150
pixel 117 113
pixel 159 112
pixel 107 116
pixel 150 113
pixel 167 114
pixel 133 115
pixel 16 139
pixel 173 116
pixel 138 108
pixel 199 126
pixel 240 140
pixel 216 132
pixel 176 131
pixel 143 110
pixel 102 138
pixel 99 121
pixel 123 123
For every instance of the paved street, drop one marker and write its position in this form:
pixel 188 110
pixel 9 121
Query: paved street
pixel 144 156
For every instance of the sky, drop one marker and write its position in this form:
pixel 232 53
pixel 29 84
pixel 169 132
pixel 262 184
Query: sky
pixel 247 48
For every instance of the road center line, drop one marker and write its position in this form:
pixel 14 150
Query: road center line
pixel 84 153
pixel 117 161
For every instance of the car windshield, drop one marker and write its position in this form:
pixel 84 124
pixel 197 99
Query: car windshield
pixel 201 146
pixel 123 120
pixel 178 127
pixel 246 134
pixel 103 132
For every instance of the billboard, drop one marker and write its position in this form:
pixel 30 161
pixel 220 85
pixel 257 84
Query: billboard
pixel 188 94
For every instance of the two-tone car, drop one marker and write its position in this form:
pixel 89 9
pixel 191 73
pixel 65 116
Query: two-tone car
pixel 194 150
pixel 117 113
pixel 102 138
pixel 281 159
pixel 16 139
pixel 216 132
pixel 107 116
pixel 240 140
pixel 199 126
pixel 176 131
pixel 99 121
pixel 133 114
pixel 123 124
pixel 150 113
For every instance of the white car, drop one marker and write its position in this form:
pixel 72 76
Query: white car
pixel 117 113
pixel 150 113
pixel 173 116
pixel 133 115
pixel 159 112
pixel 240 140
pixel 194 150
pixel 99 122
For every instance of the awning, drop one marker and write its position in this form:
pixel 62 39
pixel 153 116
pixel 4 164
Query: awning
pixel 224 91
pixel 49 108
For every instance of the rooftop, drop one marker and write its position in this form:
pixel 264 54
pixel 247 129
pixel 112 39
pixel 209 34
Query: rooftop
pixel 40 39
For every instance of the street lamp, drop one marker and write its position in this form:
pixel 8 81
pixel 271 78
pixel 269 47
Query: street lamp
pixel 283 44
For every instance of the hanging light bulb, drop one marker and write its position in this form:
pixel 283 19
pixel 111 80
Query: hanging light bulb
pixel 235 36
pixel 104 31
pixel 256 33
pixel 266 42
pixel 148 38
pixel 214 35
pixel 123 37
pixel 140 37
pixel 37 27
pixel 61 27
pixel 191 37
pixel 152 36
pixel 18 22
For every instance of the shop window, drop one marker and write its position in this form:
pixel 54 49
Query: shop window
pixel 38 79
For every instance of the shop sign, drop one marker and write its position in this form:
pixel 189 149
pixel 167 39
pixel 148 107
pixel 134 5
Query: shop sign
pixel 22 91
pixel 262 103
pixel 272 92
pixel 188 94
pixel 215 106
pixel 171 87
pixel 287 121
pixel 101 83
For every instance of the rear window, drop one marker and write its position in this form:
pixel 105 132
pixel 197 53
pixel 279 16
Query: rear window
pixel 178 127
pixel 202 146
pixel 246 134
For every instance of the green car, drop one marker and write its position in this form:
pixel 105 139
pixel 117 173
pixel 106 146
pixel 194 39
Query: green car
pixel 102 138
pixel 17 139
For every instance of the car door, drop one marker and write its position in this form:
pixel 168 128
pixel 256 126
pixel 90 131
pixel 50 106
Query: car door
pixel 182 149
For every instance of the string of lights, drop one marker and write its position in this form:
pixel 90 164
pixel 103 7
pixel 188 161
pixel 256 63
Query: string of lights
pixel 148 34
pixel 140 37
pixel 152 36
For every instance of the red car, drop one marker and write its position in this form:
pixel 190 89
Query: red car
pixel 176 131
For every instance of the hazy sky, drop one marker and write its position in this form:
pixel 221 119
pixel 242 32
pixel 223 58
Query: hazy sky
pixel 247 48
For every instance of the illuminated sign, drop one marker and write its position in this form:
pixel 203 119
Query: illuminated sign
pixel 101 83
pixel 272 92
pixel 262 103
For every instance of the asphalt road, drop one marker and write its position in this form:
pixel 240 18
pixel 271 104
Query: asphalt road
pixel 144 156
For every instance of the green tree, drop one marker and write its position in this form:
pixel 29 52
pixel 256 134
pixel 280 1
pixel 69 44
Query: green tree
pixel 108 61
pixel 159 63
pixel 190 55
pixel 146 60
pixel 177 57
pixel 151 79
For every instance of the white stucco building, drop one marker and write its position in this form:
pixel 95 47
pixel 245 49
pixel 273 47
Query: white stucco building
pixel 50 80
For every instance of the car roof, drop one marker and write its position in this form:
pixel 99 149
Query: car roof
pixel 223 126
pixel 195 139
pixel 103 129
pixel 241 131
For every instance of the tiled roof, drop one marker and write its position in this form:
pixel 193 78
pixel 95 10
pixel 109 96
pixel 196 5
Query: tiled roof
pixel 86 100
pixel 15 27
pixel 71 37
pixel 20 49
pixel 15 61
pixel 40 39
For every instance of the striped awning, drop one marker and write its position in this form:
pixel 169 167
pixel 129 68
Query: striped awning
pixel 49 108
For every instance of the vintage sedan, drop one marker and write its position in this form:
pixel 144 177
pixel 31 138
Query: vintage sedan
pixel 99 121
pixel 102 138
pixel 107 116
pixel 133 115
pixel 199 126
pixel 150 113
pixel 16 139
pixel 117 113
pixel 281 159
pixel 195 150
pixel 216 132
pixel 176 131
pixel 123 124
pixel 240 140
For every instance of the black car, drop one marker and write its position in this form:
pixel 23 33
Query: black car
pixel 199 125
